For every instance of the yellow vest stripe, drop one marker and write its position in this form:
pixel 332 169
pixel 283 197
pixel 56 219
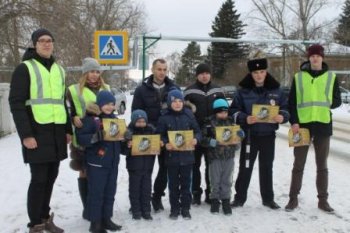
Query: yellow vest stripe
pixel 39 80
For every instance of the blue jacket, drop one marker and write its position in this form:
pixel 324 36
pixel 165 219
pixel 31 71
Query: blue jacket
pixel 138 162
pixel 148 98
pixel 98 153
pixel 249 94
pixel 183 120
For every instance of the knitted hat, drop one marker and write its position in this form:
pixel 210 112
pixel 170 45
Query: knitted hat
pixel 138 114
pixel 315 49
pixel 39 33
pixel 90 64
pixel 104 97
pixel 203 68
pixel 220 105
pixel 257 60
pixel 174 94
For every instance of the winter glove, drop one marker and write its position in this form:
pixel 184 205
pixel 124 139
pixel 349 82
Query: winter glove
pixel 98 136
pixel 213 143
pixel 128 135
pixel 240 133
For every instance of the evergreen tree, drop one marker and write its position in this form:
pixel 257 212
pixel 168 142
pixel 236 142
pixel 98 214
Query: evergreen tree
pixel 190 58
pixel 342 34
pixel 226 24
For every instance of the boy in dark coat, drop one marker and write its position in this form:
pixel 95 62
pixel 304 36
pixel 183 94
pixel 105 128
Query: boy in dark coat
pixel 102 159
pixel 179 163
pixel 258 87
pixel 221 157
pixel 139 168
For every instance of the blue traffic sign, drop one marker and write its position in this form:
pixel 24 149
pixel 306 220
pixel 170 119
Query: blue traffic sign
pixel 112 47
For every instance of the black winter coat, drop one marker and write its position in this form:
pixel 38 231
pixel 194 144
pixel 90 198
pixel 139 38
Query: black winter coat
pixel 144 162
pixel 183 120
pixel 203 96
pixel 148 98
pixel 51 138
pixel 249 94
pixel 315 128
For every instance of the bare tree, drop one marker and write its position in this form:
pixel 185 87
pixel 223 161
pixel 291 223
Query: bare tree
pixel 294 19
pixel 72 23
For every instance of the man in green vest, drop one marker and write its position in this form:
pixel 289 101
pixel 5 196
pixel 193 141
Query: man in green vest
pixel 314 92
pixel 38 107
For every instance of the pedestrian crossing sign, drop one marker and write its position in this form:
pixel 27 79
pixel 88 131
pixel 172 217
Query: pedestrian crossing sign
pixel 111 47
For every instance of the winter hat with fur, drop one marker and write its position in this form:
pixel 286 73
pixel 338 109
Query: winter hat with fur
pixel 315 49
pixel 90 64
pixel 220 105
pixel 174 94
pixel 39 33
pixel 138 114
pixel 104 97
pixel 203 68
pixel 257 61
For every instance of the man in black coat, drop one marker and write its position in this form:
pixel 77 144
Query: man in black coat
pixel 202 94
pixel 44 134
pixel 151 96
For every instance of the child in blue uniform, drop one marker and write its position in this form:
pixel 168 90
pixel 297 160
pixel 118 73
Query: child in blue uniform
pixel 179 163
pixel 139 168
pixel 102 158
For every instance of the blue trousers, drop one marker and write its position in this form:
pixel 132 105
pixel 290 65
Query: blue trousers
pixel 140 189
pixel 180 179
pixel 102 186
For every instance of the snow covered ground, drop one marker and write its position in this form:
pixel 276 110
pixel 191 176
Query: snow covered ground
pixel 253 217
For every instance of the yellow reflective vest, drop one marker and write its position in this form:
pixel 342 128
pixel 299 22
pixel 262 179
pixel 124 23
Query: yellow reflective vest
pixel 314 97
pixel 47 89
pixel 80 100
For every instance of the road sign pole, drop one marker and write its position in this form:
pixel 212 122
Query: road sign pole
pixel 145 46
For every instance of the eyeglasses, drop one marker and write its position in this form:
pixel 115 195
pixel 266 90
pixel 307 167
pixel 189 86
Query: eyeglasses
pixel 43 41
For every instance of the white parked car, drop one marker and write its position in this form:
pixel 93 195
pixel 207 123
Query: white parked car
pixel 120 98
pixel 345 95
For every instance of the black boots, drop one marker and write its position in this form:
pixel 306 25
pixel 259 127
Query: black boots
pixel 109 225
pixel 83 191
pixel 96 227
pixel 186 214
pixel 157 204
pixel 196 198
pixel 214 206
pixel 226 208
pixel 236 203
pixel 271 204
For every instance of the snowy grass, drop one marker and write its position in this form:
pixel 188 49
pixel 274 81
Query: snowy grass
pixel 253 217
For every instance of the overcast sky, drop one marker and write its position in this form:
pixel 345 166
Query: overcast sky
pixel 194 18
